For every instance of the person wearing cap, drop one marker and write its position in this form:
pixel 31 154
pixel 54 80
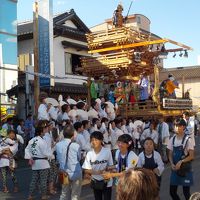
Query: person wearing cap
pixel 181 153
pixel 96 162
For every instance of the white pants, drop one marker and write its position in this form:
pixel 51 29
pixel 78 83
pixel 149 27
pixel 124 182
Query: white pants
pixel 71 191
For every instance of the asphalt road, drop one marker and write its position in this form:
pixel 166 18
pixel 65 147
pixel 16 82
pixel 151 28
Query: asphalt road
pixel 24 176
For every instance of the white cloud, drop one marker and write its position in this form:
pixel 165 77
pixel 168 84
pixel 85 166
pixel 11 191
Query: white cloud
pixel 12 39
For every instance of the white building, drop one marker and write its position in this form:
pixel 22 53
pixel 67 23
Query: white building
pixel 136 21
pixel 69 45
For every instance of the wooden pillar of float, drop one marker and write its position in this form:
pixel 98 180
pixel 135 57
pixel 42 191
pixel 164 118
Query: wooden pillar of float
pixel 88 92
pixel 156 96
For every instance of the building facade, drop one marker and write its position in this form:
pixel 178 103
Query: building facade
pixel 8 47
pixel 189 80
pixel 69 45
pixel 136 21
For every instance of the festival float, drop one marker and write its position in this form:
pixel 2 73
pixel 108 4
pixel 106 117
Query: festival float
pixel 120 55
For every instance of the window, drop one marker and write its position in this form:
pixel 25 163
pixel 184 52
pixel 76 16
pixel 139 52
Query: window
pixel 76 63
pixel 72 63
pixel 68 63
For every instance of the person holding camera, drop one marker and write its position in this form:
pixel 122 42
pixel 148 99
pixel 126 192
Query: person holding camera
pixel 181 153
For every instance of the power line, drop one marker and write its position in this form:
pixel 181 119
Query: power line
pixel 46 75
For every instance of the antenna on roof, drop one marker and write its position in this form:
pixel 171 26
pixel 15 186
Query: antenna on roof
pixel 125 19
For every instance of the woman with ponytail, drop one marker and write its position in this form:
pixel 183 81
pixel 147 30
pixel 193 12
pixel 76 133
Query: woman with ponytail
pixel 125 157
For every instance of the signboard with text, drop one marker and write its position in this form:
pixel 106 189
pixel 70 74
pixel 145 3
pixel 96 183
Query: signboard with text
pixel 45 41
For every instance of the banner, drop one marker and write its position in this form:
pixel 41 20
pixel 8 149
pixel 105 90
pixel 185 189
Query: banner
pixel 45 41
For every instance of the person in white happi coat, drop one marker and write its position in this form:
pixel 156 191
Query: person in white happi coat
pixel 53 168
pixel 93 112
pixel 73 113
pixel 8 148
pixel 96 125
pixel 138 127
pixel 38 154
pixel 53 112
pixel 116 127
pixel 81 112
pixel 150 132
pixel 163 138
pixel 106 135
pixel 190 125
pixel 85 133
pixel 79 138
pixel 43 108
pixel 124 127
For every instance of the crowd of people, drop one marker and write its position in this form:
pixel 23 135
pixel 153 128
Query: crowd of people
pixel 72 142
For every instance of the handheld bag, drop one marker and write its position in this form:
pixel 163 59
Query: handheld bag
pixel 63 178
pixel 186 166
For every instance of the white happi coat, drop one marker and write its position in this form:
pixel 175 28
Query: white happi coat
pixel 37 147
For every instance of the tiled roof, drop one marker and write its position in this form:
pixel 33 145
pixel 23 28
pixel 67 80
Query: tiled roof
pixel 26 28
pixel 66 88
pixel 179 72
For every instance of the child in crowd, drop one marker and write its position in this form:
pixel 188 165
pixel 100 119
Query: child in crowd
pixel 85 133
pixel 97 160
pixel 79 138
pixel 96 125
pixel 8 148
pixel 151 159
pixel 104 130
pixel 124 157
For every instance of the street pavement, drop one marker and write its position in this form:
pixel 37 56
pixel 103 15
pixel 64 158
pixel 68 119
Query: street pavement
pixel 24 177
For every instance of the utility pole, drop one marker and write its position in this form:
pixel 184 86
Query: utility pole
pixel 36 63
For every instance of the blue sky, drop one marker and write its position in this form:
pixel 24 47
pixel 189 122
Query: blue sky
pixel 8 11
pixel 174 19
